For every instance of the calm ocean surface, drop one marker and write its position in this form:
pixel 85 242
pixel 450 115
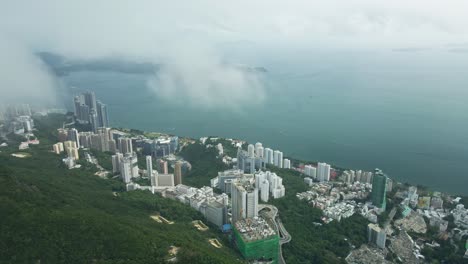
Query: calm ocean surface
pixel 403 112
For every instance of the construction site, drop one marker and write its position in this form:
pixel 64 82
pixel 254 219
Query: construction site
pixel 257 240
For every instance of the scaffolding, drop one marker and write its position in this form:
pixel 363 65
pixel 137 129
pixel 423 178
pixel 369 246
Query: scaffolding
pixel 259 249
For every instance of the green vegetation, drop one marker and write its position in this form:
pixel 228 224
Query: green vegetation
pixel 104 158
pixel 310 244
pixel 205 164
pixel 228 148
pixel 329 243
pixel 50 214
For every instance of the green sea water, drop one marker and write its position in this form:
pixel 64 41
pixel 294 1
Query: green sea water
pixel 403 112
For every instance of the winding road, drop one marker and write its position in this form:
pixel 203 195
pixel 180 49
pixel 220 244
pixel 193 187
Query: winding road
pixel 285 237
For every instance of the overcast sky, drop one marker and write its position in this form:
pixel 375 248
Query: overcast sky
pixel 183 32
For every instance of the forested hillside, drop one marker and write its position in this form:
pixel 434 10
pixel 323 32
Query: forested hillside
pixel 50 214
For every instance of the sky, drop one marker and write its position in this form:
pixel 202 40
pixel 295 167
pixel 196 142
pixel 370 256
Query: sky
pixel 192 38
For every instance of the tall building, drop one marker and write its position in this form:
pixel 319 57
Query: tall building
pixel 311 171
pixel 178 173
pixel 116 159
pixel 149 167
pixel 58 147
pixel 274 184
pixel 268 156
pixel 244 199
pixel 259 150
pixel 251 150
pixel 89 110
pixel 129 167
pixel 162 165
pixel 379 184
pixel 90 99
pixel 73 135
pixel 125 145
pixel 286 163
pixel 93 119
pixel 376 235
pixel 73 152
pixel 104 137
pixel 247 163
pixel 103 118
pixel 77 105
pixel 323 172
pixel 224 179
pixel 275 157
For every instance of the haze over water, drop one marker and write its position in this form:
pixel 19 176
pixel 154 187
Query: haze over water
pixel 403 112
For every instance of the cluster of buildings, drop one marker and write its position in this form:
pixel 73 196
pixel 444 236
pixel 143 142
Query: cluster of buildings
pixel 88 110
pixel 213 206
pixel 17 119
pixel 337 199
pixel 254 235
pixel 158 148
pixel 268 184
pixel 320 173
pixel 256 157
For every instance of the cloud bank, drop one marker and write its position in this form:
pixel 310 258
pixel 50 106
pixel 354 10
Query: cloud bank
pixel 193 38
pixel 23 76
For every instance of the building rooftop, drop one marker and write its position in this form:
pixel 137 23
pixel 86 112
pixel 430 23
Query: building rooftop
pixel 253 229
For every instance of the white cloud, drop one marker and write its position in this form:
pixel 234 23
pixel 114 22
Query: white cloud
pixel 150 30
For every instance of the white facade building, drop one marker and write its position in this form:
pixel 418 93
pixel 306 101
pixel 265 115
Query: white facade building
pixel 251 150
pixel 244 199
pixel 323 172
pixel 268 156
pixel 311 171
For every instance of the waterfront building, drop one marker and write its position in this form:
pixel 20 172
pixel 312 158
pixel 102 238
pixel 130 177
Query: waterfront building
pixel 103 118
pixel 378 194
pixel 259 151
pixel 311 171
pixel 323 172
pixel 268 156
pixel 251 151
pixel 90 99
pixel 286 164
pixel 278 158
pixel 93 120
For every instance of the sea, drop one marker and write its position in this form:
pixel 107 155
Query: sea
pixel 403 111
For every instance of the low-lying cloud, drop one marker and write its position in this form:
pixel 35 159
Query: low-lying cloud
pixel 163 32
pixel 200 78
pixel 23 76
